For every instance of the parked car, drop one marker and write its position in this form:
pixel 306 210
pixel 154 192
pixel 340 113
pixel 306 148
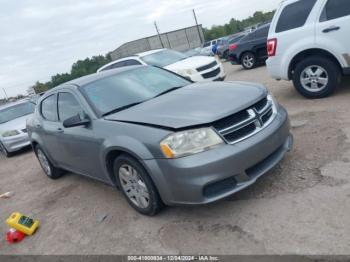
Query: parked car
pixel 224 47
pixel 309 44
pixel 196 68
pixel 159 137
pixel 251 49
pixel 208 47
pixel 13 132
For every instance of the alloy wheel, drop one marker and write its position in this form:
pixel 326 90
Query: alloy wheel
pixel 134 186
pixel 314 78
pixel 248 61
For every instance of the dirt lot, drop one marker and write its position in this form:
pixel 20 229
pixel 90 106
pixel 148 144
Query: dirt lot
pixel 301 207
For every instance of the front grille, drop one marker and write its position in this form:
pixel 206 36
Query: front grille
pixel 212 73
pixel 245 123
pixel 202 68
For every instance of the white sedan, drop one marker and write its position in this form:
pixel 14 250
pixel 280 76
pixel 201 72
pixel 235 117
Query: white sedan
pixel 196 68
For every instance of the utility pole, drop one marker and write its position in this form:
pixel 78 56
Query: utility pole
pixel 199 33
pixel 6 97
pixel 160 39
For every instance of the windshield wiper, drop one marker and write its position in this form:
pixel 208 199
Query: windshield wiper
pixel 168 91
pixel 121 108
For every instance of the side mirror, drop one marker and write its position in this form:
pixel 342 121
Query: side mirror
pixel 76 120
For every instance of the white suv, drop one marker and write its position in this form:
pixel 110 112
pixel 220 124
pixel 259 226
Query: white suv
pixel 309 43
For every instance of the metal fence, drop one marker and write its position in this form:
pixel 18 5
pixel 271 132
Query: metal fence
pixel 181 40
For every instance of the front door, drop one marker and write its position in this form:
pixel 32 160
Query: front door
pixel 333 28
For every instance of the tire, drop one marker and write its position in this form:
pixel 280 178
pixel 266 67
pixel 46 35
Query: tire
pixel 4 151
pixel 248 60
pixel 49 169
pixel 136 185
pixel 321 81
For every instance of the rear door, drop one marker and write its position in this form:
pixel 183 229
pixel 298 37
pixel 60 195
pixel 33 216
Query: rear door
pixel 333 29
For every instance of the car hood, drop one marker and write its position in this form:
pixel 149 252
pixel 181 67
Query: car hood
pixel 195 104
pixel 190 63
pixel 15 124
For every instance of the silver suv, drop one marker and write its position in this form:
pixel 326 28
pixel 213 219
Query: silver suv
pixel 159 137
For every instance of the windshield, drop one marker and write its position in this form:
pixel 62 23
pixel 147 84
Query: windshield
pixel 130 87
pixel 163 58
pixel 16 111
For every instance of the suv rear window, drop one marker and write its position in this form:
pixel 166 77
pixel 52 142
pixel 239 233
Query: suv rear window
pixel 294 15
pixel 335 9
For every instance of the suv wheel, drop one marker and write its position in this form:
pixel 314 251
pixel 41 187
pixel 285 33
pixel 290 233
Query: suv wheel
pixel 51 171
pixel 136 185
pixel 4 151
pixel 248 60
pixel 316 77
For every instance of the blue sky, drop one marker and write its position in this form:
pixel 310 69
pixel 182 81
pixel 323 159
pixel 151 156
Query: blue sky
pixel 41 38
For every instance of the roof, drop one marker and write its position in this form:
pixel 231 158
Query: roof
pixel 149 52
pixel 84 80
pixel 7 105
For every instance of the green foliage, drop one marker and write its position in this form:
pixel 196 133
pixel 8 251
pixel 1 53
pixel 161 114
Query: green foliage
pixel 79 68
pixel 235 26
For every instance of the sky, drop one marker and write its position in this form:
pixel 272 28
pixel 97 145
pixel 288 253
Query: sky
pixel 40 38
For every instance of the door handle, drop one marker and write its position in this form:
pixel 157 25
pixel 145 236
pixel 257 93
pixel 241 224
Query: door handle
pixel 59 130
pixel 330 29
pixel 38 126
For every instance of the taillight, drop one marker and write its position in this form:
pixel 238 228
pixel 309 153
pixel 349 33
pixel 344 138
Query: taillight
pixel 232 47
pixel 272 46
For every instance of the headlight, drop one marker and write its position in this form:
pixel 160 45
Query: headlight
pixel 186 72
pixel 10 133
pixel 189 142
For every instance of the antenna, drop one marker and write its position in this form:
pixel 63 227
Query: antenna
pixel 160 39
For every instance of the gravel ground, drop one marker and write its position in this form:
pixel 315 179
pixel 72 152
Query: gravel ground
pixel 301 207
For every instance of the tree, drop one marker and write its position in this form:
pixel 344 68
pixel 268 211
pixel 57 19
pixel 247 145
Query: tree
pixel 79 68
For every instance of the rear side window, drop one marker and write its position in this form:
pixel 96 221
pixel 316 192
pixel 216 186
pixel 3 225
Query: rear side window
pixel 49 108
pixel 68 106
pixel 132 62
pixel 206 44
pixel 294 15
pixel 335 9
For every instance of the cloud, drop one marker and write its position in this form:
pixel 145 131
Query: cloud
pixel 42 38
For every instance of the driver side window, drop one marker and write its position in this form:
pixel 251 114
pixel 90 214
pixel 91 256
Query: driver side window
pixel 68 106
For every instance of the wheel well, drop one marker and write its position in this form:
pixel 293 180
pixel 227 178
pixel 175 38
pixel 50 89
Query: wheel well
pixel 34 144
pixel 111 156
pixel 307 53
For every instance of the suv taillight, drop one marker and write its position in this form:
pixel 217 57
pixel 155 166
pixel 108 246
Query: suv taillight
pixel 232 47
pixel 272 46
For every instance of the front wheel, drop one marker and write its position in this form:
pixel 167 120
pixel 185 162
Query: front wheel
pixel 316 77
pixel 248 60
pixel 50 170
pixel 136 185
